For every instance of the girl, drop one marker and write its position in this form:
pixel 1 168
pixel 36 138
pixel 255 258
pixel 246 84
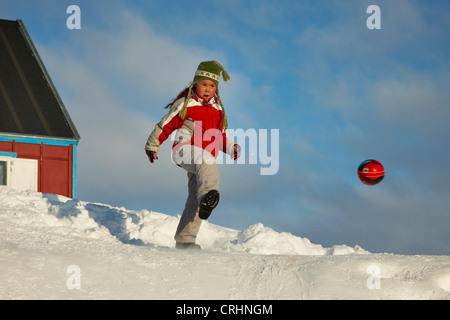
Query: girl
pixel 198 114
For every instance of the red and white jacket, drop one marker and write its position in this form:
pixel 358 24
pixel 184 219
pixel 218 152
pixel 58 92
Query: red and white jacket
pixel 201 127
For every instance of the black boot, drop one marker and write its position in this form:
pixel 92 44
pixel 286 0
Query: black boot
pixel 187 246
pixel 208 203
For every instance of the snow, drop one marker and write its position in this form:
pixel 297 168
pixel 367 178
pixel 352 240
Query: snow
pixel 53 247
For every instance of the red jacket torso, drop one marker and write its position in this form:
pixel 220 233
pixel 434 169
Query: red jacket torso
pixel 202 125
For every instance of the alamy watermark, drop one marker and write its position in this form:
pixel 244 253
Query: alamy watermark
pixel 74 20
pixel 74 279
pixel 374 21
pixel 255 147
pixel 374 280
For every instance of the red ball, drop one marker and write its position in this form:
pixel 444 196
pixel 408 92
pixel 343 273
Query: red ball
pixel 370 172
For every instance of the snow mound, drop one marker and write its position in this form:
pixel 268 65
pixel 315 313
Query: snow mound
pixel 150 228
pixel 258 239
pixel 53 247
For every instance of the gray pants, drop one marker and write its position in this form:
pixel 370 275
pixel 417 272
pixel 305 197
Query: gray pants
pixel 203 176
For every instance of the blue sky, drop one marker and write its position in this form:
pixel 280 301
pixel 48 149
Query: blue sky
pixel 338 93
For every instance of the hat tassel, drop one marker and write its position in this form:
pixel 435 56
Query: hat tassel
pixel 225 74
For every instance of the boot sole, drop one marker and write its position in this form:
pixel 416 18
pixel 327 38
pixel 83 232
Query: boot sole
pixel 208 203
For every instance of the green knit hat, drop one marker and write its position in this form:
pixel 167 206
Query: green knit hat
pixel 208 70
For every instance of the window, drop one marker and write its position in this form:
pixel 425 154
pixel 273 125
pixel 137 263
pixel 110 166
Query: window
pixel 3 165
pixel 19 174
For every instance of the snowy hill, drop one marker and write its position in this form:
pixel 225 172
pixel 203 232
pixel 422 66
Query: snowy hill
pixel 53 247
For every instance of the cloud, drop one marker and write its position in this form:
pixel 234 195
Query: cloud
pixel 417 101
pixel 131 55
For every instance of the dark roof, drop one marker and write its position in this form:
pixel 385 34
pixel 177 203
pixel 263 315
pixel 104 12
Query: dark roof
pixel 29 102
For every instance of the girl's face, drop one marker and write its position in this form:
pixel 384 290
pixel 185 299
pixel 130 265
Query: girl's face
pixel 206 88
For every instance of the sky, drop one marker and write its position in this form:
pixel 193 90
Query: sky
pixel 329 91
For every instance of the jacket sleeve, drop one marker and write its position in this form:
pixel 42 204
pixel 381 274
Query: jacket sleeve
pixel 228 143
pixel 168 124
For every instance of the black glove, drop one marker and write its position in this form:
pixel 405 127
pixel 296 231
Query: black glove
pixel 236 151
pixel 152 155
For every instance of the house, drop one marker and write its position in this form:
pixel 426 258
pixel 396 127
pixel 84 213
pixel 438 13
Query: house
pixel 38 140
